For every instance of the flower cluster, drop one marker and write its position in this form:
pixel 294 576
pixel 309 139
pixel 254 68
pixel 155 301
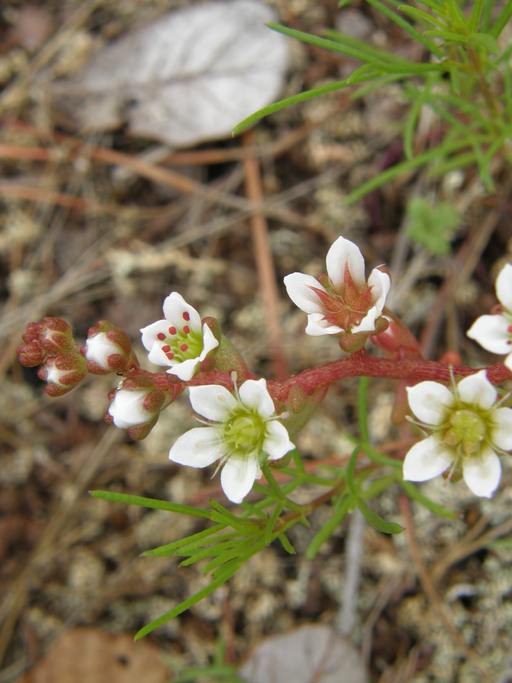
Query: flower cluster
pixel 243 418
pixel 50 343
pixel 468 427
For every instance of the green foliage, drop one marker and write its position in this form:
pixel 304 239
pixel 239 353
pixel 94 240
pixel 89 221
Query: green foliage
pixel 224 541
pixel 464 79
pixel 431 226
pixel 217 670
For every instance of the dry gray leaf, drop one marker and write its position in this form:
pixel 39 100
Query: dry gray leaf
pixel 190 76
pixel 310 654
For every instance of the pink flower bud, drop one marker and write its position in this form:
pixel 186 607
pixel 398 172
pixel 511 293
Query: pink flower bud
pixel 31 354
pixel 51 336
pixel 56 335
pixel 107 349
pixel 63 372
pixel 396 340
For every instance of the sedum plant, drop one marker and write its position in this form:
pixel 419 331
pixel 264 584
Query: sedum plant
pixel 248 424
pixel 464 79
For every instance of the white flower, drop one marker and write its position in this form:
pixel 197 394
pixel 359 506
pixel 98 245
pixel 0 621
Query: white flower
pixel 241 432
pixel 468 431
pixel 179 341
pixel 136 406
pixel 494 332
pixel 344 301
pixel 127 408
pixel 99 348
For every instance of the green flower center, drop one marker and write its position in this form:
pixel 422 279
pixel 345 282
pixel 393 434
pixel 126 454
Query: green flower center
pixel 181 344
pixel 466 431
pixel 244 433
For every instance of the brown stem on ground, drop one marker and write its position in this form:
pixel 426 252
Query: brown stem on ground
pixel 264 262
pixel 429 589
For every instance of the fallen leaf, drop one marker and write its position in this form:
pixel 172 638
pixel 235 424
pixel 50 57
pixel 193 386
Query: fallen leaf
pixel 310 654
pixel 188 77
pixel 88 655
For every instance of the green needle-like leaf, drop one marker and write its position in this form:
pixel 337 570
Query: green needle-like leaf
pixel 152 503
pixel 185 605
pixel 341 508
pixel 435 508
pixel 378 522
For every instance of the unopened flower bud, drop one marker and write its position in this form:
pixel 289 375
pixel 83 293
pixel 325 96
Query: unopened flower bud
pixel 31 353
pixel 396 340
pixel 50 337
pixel 63 372
pixel 56 336
pixel 136 406
pixel 107 349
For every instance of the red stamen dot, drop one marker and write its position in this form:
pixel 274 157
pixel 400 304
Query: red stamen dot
pixel 186 316
pixel 172 330
pixel 509 328
pixel 160 336
pixel 186 329
pixel 183 347
pixel 166 348
pixel 170 356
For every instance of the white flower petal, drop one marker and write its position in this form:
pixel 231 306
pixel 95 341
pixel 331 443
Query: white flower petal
pixel 504 287
pixel 149 335
pixel 238 475
pixel 277 442
pixel 212 401
pixel 476 390
pixel 99 348
pixel 492 333
pixel 502 431
pixel 318 326
pixel 508 361
pixel 300 290
pixel 53 374
pixel 158 357
pixel 429 400
pixel 343 252
pixel 126 409
pixel 199 447
pixel 184 370
pixel 179 313
pixel 482 473
pixel 209 342
pixel 367 324
pixel 380 283
pixel 426 459
pixel 254 394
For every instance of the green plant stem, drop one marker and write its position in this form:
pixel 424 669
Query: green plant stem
pixel 490 100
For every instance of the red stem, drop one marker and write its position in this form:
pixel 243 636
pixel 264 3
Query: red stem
pixel 359 364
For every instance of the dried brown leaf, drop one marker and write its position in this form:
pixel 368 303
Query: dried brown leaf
pixel 88 655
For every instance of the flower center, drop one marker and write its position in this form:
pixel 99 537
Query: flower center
pixel 347 307
pixel 466 430
pixel 181 344
pixel 244 433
